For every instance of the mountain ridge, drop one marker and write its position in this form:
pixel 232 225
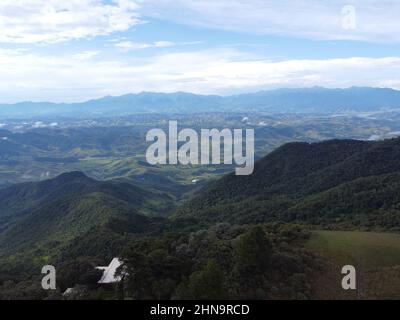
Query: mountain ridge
pixel 313 99
pixel 301 183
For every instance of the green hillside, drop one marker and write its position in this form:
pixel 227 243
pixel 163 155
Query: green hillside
pixel 345 184
pixel 39 220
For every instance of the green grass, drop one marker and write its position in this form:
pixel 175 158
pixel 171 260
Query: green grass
pixel 371 249
pixel 375 255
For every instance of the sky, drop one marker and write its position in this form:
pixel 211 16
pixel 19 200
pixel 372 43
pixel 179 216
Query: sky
pixel 69 51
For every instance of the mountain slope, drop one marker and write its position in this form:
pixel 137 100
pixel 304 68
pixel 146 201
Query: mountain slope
pixel 333 182
pixel 21 199
pixel 39 219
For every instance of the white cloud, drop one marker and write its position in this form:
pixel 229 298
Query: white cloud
pixel 376 20
pixel 129 45
pixel 28 76
pixel 85 55
pixel 50 21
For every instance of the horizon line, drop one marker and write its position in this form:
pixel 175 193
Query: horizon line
pixel 196 94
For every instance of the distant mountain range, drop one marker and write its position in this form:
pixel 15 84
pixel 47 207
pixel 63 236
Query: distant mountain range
pixel 316 99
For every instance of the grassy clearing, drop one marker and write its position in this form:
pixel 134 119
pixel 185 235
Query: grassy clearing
pixel 371 249
pixel 376 257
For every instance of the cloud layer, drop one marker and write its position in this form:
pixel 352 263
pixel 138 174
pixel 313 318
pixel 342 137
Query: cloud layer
pixel 86 76
pixel 129 45
pixel 375 20
pixel 115 66
pixel 50 21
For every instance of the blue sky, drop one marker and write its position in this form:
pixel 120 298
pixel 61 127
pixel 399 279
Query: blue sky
pixel 54 50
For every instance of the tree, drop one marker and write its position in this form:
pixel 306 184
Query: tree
pixel 207 283
pixel 253 251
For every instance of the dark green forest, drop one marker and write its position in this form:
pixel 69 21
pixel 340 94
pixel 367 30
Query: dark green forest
pixel 240 237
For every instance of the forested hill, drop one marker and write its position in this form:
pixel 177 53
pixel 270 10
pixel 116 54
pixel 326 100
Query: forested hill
pixel 39 220
pixel 332 183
